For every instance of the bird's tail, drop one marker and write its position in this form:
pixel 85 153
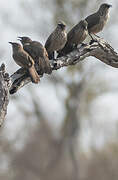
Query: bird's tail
pixel 35 78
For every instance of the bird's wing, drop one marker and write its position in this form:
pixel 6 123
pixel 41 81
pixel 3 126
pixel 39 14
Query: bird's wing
pixel 34 49
pixel 92 20
pixel 28 48
pixel 72 33
pixel 23 59
pixel 38 48
pixel 48 42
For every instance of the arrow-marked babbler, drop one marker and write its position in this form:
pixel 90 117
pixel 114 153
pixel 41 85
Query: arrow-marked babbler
pixel 39 54
pixel 23 59
pixel 57 39
pixel 74 37
pixel 98 20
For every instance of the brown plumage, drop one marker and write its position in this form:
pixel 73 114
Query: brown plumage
pixel 23 59
pixel 74 37
pixel 39 54
pixel 57 40
pixel 97 21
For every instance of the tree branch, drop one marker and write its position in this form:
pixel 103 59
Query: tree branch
pixel 99 49
pixel 4 93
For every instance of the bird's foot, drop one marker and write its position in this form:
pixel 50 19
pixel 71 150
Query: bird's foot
pixel 92 41
pixel 83 44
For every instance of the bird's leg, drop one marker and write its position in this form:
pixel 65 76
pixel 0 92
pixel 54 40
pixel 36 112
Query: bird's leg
pixel 93 39
pixel 97 36
pixel 54 55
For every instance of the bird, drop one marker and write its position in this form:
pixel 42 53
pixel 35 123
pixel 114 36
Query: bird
pixel 57 40
pixel 74 37
pixel 38 52
pixel 98 20
pixel 23 59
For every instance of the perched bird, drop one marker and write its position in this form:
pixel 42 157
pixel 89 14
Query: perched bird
pixel 39 54
pixel 74 37
pixel 56 40
pixel 97 21
pixel 23 59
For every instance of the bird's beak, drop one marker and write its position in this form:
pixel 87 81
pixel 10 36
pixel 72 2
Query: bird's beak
pixel 110 5
pixel 19 38
pixel 10 42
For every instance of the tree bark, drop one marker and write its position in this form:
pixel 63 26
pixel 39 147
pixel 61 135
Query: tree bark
pixel 4 93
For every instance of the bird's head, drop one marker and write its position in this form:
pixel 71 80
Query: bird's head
pixel 104 8
pixel 24 39
pixel 15 46
pixel 61 25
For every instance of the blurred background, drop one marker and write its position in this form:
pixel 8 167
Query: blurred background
pixel 66 127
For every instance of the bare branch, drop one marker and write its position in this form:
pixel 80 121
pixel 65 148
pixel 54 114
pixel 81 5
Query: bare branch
pixel 99 49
